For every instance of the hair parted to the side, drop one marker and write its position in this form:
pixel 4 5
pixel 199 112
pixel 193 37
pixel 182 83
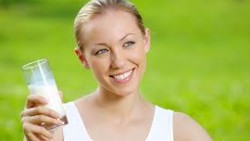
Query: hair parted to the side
pixel 98 7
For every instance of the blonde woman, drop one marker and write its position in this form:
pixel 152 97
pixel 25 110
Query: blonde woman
pixel 113 44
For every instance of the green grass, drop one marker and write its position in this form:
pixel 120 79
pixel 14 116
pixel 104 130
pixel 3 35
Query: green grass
pixel 199 61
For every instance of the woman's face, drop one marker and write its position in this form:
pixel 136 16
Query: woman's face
pixel 115 50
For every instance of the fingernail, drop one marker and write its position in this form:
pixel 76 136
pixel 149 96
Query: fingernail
pixel 60 122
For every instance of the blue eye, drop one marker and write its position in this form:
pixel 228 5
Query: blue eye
pixel 101 51
pixel 128 44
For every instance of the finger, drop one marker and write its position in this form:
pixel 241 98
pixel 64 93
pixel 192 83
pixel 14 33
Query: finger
pixel 31 137
pixel 43 138
pixel 42 120
pixel 32 130
pixel 35 100
pixel 40 111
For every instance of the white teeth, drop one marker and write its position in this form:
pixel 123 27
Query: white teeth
pixel 122 76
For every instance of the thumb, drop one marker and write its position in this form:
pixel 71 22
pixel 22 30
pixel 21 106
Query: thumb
pixel 61 94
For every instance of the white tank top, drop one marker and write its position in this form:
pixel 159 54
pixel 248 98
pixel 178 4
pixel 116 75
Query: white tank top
pixel 161 128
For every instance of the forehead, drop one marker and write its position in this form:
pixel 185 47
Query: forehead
pixel 111 25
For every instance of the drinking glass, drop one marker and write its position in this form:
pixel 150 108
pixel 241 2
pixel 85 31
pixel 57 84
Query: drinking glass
pixel 40 81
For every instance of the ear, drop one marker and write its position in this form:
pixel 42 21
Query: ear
pixel 81 57
pixel 147 40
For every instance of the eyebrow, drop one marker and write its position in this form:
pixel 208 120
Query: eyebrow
pixel 104 44
pixel 126 36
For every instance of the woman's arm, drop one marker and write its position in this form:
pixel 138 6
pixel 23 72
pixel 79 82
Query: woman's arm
pixel 186 129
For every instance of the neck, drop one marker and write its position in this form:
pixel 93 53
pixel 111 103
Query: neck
pixel 118 106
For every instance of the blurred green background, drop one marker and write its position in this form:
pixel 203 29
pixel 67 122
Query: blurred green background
pixel 199 61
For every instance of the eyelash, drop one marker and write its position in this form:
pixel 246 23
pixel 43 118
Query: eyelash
pixel 128 44
pixel 101 51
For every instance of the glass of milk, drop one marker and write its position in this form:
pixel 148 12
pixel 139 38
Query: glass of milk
pixel 40 81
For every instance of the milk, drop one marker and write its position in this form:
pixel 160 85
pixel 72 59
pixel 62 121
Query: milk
pixel 50 93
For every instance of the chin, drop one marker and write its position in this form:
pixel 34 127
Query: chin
pixel 132 87
pixel 127 91
pixel 121 91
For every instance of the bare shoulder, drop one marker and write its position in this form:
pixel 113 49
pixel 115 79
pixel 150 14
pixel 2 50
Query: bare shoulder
pixel 187 129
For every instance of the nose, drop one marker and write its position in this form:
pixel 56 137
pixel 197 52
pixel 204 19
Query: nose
pixel 118 59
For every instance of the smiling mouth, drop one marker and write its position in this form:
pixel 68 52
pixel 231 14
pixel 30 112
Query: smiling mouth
pixel 123 77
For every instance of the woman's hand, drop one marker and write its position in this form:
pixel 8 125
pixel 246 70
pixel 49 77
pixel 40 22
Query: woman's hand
pixel 36 119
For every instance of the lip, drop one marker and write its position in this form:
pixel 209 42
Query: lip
pixel 123 77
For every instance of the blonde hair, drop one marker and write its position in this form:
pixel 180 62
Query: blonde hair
pixel 98 7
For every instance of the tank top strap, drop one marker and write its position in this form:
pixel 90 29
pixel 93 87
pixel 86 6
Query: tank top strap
pixel 75 129
pixel 162 125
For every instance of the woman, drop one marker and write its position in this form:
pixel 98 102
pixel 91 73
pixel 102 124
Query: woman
pixel 112 43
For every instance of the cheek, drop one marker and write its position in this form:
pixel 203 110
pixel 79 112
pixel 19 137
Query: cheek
pixel 141 59
pixel 139 55
pixel 99 66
